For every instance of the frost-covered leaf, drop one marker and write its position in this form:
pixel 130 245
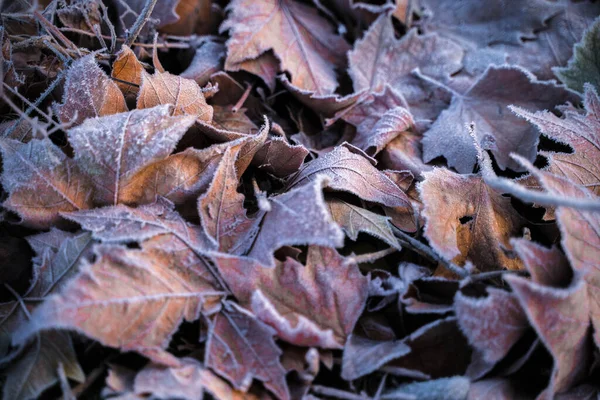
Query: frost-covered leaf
pixel 468 221
pixel 129 299
pixel 350 171
pixel 584 67
pixel 301 40
pixel 222 211
pixel 379 59
pixel 241 348
pixel 122 224
pixel 492 324
pixel 547 266
pixel 42 182
pixel 89 93
pixel 111 150
pixel 313 305
pixel 486 104
pixel 183 94
pixel 36 368
pixel 580 238
pixel 379 121
pixel 207 60
pixel 581 132
pixel 280 158
pixel 561 319
pixel 500 21
pixel 127 71
pixel 307 221
pixel 353 220
pixel 189 381
pixel 362 355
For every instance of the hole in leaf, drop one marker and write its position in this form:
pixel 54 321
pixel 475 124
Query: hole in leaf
pixel 465 219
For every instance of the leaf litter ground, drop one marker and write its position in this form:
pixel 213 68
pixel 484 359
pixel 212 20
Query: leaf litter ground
pixel 292 199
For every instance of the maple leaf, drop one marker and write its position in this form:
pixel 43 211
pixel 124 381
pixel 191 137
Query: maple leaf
pixel 363 356
pixel 485 103
pixel 379 59
pixel 353 220
pixel 492 324
pixel 41 182
pixel 456 387
pixel 547 266
pixel 313 305
pixel 279 158
pixel 306 222
pixel 241 348
pixel 222 211
pixel 561 318
pixel 584 67
pixel 580 238
pixel 227 125
pixel 112 149
pixel 128 70
pixel 123 224
pixel 499 22
pixel 184 94
pixel 350 170
pixel 489 220
pixel 379 121
pixel 579 131
pixel 301 41
pixel 208 59
pixel 89 93
pixel 156 292
pixel 189 381
pixel 35 369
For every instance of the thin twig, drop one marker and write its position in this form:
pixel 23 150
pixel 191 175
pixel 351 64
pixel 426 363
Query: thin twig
pixel 338 394
pixel 372 257
pixel 140 22
pixel 427 252
pixel 165 45
pixel 242 100
pixel 39 100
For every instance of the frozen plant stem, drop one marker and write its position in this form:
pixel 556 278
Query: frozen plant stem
pixel 140 22
pixel 427 252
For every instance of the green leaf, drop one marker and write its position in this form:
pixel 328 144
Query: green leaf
pixel 584 66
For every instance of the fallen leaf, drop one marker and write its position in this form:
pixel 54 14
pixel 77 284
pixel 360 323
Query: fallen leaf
pixel 183 94
pixel 492 324
pixel 111 150
pixel 379 59
pixel 207 60
pixel 222 211
pixel 353 220
pixel 122 224
pixel 89 93
pixel 349 171
pixel 547 266
pixel 456 387
pixel 42 182
pixel 468 221
pixel 583 67
pixel 363 356
pixel 241 348
pixel 316 305
pixel 499 22
pixel 306 222
pixel 579 131
pixel 280 158
pixel 190 381
pixel 301 40
pixel 36 369
pixel 154 295
pixel 127 71
pixel 561 319
pixel 486 104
